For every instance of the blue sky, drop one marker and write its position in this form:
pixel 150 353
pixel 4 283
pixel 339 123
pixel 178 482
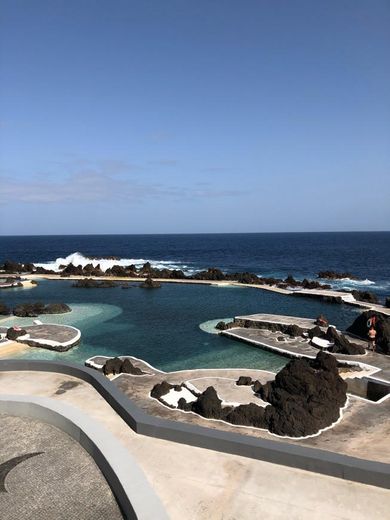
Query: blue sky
pixel 182 116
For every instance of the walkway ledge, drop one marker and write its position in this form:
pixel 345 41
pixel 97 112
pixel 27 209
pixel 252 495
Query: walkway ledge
pixel 310 459
pixel 129 485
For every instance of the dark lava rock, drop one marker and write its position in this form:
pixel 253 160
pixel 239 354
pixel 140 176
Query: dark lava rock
pixel 221 325
pixel 247 415
pixel 244 381
pixel 89 283
pixel 13 333
pixel 311 284
pixel 341 344
pixel 42 270
pixel 306 396
pixel 117 270
pixel 365 296
pixel 247 278
pixel 10 266
pixel 129 368
pixel 160 389
pixel 211 274
pixel 387 303
pixel 360 328
pixel 4 310
pixel 31 310
pixel 208 404
pixel 293 331
pixel 112 366
pixel 257 386
pixel 57 308
pixel 183 405
pixel 333 275
pixel 73 270
pixel 118 366
pixel 149 283
pixel 316 332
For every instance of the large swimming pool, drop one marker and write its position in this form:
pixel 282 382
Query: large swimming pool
pixel 161 326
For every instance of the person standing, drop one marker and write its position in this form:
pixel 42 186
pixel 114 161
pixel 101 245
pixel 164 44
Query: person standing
pixel 371 339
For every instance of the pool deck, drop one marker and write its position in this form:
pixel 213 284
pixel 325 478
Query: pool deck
pixel 49 336
pixel 202 484
pixel 378 364
pixel 365 423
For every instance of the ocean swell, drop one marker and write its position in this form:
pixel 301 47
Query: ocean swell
pixel 106 263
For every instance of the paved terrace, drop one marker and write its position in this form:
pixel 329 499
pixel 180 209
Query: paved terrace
pixel 57 479
pixel 57 337
pixel 299 347
pixel 365 424
pixel 195 483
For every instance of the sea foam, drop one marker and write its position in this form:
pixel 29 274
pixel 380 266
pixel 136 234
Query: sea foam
pixel 105 263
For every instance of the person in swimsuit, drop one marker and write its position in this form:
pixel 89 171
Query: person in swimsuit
pixel 371 339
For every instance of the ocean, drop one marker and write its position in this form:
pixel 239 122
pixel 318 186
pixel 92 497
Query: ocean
pixel 364 254
pixel 166 326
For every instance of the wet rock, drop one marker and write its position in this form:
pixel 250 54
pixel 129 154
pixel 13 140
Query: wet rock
pixel 244 381
pixel 365 296
pixel 360 328
pixel 56 308
pixel 73 270
pixel 42 270
pixel 387 303
pixel 221 325
pixel 90 283
pixel 10 266
pixel 149 283
pixel 333 275
pixel 31 310
pixel 117 270
pixel 211 274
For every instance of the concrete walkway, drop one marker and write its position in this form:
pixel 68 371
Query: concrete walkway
pixel 58 481
pixel 195 483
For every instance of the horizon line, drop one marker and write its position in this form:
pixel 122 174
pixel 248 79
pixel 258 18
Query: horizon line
pixel 192 233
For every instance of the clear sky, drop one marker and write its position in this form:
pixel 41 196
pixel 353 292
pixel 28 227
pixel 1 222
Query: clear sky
pixel 164 116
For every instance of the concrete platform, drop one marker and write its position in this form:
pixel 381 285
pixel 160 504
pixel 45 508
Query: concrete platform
pixel 59 479
pixel 199 484
pixel 364 423
pixel 49 336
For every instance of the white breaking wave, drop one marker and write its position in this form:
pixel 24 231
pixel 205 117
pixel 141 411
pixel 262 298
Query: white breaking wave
pixel 79 259
pixel 347 282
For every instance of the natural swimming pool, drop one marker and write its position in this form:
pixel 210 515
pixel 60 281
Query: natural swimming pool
pixel 161 326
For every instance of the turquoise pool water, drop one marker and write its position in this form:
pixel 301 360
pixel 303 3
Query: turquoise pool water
pixel 162 326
